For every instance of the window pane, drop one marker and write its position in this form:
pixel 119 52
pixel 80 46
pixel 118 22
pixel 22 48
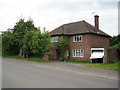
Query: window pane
pixel 75 39
pixel 81 53
pixel 77 52
pixel 80 38
pixel 56 39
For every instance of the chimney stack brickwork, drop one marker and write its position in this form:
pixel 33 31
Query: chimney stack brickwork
pixel 96 21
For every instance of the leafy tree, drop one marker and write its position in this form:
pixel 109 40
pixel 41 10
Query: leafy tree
pixel 26 40
pixel 114 40
pixel 115 43
pixel 20 30
pixel 40 43
pixel 8 43
pixel 45 42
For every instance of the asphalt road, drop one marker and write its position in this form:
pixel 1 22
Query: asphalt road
pixel 25 75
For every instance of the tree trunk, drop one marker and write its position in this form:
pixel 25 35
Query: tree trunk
pixel 23 55
pixel 20 53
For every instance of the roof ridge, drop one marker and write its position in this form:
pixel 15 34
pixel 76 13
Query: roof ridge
pixel 73 22
pixel 86 25
pixel 62 29
pixel 92 26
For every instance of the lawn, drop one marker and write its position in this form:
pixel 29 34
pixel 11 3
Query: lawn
pixel 109 66
pixel 27 59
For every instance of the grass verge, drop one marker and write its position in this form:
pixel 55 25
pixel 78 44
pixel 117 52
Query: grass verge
pixel 109 66
pixel 27 59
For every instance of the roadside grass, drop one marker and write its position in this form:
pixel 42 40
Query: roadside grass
pixel 78 61
pixel 109 66
pixel 35 59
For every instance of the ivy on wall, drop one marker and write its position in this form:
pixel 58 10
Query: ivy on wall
pixel 63 47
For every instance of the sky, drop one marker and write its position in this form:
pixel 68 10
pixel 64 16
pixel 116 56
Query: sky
pixel 54 13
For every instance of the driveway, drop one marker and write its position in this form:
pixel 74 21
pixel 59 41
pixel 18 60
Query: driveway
pixel 28 74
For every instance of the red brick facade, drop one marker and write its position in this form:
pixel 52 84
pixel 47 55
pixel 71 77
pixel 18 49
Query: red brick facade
pixel 88 41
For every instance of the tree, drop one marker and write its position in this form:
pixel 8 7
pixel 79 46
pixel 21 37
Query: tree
pixel 45 42
pixel 115 44
pixel 114 40
pixel 26 40
pixel 40 43
pixel 8 43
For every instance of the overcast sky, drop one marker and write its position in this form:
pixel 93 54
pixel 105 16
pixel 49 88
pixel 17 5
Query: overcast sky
pixel 53 13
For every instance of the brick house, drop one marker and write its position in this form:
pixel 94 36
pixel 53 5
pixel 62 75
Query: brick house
pixel 87 42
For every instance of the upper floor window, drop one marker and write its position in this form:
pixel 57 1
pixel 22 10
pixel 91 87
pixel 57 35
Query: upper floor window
pixel 77 38
pixel 54 39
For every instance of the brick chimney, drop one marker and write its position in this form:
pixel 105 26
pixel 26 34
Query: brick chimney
pixel 96 18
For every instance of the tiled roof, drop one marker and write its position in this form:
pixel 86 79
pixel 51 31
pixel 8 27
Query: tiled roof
pixel 81 27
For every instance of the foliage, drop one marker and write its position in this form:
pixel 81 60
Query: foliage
pixel 117 46
pixel 114 40
pixel 26 40
pixel 27 59
pixel 63 47
pixel 8 43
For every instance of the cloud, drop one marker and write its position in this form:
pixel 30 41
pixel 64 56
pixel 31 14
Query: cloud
pixel 53 13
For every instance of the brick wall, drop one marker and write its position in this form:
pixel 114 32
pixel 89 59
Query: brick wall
pixel 113 54
pixel 100 42
pixel 85 45
pixel 89 41
pixel 54 50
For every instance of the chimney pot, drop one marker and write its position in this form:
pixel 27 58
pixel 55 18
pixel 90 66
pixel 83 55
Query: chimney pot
pixel 96 21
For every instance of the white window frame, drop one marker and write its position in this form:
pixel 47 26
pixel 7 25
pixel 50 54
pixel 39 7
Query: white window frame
pixel 54 39
pixel 77 36
pixel 78 53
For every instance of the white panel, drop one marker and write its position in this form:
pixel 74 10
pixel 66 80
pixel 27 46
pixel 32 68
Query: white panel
pixel 96 55
pixel 97 48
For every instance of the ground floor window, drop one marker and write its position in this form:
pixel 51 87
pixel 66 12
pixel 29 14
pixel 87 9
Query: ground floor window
pixel 78 53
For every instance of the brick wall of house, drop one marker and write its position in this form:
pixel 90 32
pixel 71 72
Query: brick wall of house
pixel 54 50
pixel 85 45
pixel 100 42
pixel 89 41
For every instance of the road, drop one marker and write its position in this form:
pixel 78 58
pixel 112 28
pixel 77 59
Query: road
pixel 25 74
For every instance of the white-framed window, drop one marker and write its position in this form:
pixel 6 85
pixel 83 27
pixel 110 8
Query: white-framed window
pixel 54 39
pixel 77 38
pixel 78 53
